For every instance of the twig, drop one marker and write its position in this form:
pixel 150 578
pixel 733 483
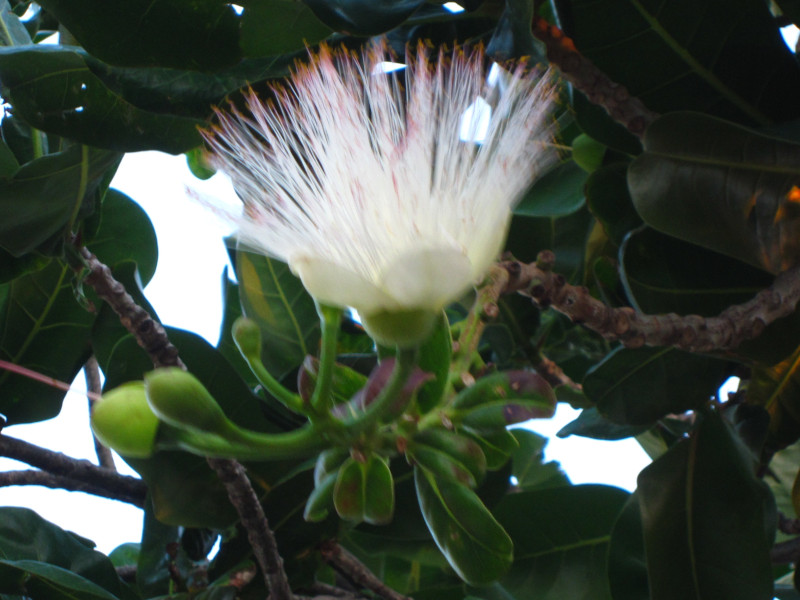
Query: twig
pixel 727 330
pixel 586 77
pixel 108 483
pixel 91 371
pixel 323 590
pixel 148 332
pixel 151 336
pixel 265 548
pixel 354 570
pixel 786 552
pixel 56 482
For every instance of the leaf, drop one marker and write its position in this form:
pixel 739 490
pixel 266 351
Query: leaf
pixel 188 34
pixel 434 358
pixel 46 330
pixel 53 89
pixel 710 55
pixel 557 193
pixel 777 389
pixel 595 122
pixel 363 17
pixel 627 568
pixel 474 543
pixel 720 186
pixel 708 521
pixel 610 202
pixel 41 198
pixel 272 27
pixel 528 466
pixel 284 311
pixel 638 387
pixel 558 533
pixel 51 563
pixel 591 424
pixel 12 32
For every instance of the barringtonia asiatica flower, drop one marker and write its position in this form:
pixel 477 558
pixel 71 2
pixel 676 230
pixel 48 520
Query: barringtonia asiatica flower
pixel 390 195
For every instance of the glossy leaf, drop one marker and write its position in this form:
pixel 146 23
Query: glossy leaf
pixel 721 186
pixel 559 192
pixel 284 311
pixel 638 387
pixel 627 568
pixel 363 17
pixel 710 55
pixel 591 424
pixel 474 543
pixel 610 202
pixel 278 26
pixel 528 465
pixel 776 388
pixel 708 521
pixel 39 201
pixel 548 552
pixel 449 454
pixel 54 90
pixel 189 34
pixel 434 358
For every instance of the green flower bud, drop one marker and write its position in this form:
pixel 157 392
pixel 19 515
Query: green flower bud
pixel 179 399
pixel 247 335
pixel 123 421
pixel 402 328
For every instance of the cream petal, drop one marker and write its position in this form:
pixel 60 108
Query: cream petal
pixel 427 278
pixel 331 283
pixel 486 245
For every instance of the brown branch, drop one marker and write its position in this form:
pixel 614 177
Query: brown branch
pixel 153 338
pixel 108 483
pixel 265 548
pixel 148 332
pixel 91 371
pixel 356 571
pixel 727 330
pixel 48 480
pixel 595 85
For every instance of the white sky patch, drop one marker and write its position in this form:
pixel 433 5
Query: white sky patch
pixel 790 34
pixel 453 7
pixel 475 121
pixel 236 8
pixel 729 387
pixel 387 66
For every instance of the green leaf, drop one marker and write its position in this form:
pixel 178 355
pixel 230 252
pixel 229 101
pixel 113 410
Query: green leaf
pixel 708 521
pixel 39 201
pixel 284 311
pixel 188 34
pixel 557 533
pixel 777 389
pixel 12 31
pixel 706 55
pixel 449 454
pixel 474 543
pixel 363 17
pixel 595 122
pixel 608 198
pixel 53 89
pixel 528 465
pixel 434 358
pixel 44 559
pixel 557 193
pixel 44 329
pixel 627 568
pixel 720 186
pixel 591 424
pixel 272 27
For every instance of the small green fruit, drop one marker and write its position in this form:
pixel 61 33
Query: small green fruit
pixel 179 399
pixel 123 421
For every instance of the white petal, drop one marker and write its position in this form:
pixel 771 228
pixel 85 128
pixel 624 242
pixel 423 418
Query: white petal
pixel 427 278
pixel 331 283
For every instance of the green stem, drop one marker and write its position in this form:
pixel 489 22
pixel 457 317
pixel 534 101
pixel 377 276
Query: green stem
pixel 330 318
pixel 242 444
pixel 406 361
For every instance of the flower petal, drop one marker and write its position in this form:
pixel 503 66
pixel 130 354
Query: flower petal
pixel 427 278
pixel 331 283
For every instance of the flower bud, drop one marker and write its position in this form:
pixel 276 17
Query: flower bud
pixel 401 328
pixel 179 399
pixel 123 421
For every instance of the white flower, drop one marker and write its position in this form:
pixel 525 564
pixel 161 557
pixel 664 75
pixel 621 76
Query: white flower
pixel 368 187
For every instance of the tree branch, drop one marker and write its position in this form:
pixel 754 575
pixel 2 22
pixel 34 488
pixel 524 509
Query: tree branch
pixel 595 85
pixel 71 473
pixel 153 338
pixel 48 480
pixel 727 330
pixel 91 371
pixel 356 571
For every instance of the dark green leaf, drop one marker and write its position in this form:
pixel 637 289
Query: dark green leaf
pixel 284 311
pixel 559 192
pixel 638 387
pixel 706 55
pixel 271 27
pixel 627 569
pixel 12 32
pixel 188 34
pixel 434 358
pixel 512 37
pixel 363 17
pixel 528 465
pixel 708 521
pixel 608 199
pixel 594 121
pixel 720 186
pixel 559 533
pixel 52 88
pixel 42 197
pixel 40 581
pixel 590 423
pixel 474 543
